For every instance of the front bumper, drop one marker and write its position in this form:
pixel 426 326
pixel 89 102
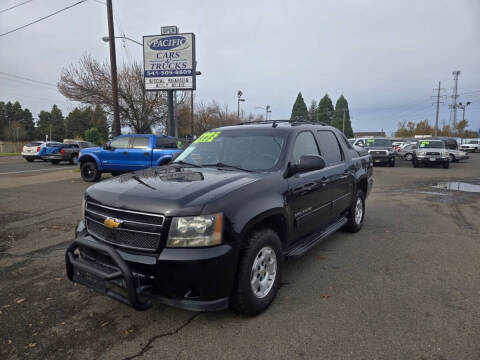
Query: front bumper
pixel 471 149
pixel 193 279
pixel 432 159
pixel 382 159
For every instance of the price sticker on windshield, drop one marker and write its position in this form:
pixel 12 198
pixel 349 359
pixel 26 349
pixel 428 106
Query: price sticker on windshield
pixel 370 141
pixel 423 143
pixel 207 137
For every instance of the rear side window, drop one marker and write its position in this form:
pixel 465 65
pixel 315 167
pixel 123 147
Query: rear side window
pixel 329 147
pixel 120 143
pixel 304 145
pixel 74 146
pixel 140 142
pixel 166 143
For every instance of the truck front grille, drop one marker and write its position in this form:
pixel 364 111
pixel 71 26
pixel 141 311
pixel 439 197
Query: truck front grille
pixel 378 152
pixel 433 153
pixel 136 230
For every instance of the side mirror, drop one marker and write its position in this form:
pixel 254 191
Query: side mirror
pixel 360 144
pixel 107 146
pixel 309 163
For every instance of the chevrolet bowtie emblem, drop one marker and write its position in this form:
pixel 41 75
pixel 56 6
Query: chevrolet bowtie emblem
pixel 111 223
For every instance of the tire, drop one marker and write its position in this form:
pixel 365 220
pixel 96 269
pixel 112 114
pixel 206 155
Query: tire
pixel 116 173
pixel 452 158
pixel 446 165
pixel 263 242
pixel 391 163
pixel 90 172
pixel 415 163
pixel 408 157
pixel 356 213
pixel 55 162
pixel 29 159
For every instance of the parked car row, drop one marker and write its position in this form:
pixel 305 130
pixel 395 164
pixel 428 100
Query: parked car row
pixel 441 151
pixel 54 151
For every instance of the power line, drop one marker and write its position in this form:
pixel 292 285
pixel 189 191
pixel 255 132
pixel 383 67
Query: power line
pixel 28 79
pixel 43 18
pixel 15 6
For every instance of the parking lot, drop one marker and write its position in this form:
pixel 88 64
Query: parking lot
pixel 405 287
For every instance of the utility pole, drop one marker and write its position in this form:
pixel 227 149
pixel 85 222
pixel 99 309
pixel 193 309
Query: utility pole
pixel 171 117
pixel 438 102
pixel 454 99
pixel 239 99
pixel 113 67
pixel 191 110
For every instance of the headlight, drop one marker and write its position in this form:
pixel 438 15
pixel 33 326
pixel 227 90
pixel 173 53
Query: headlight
pixel 195 231
pixel 420 153
pixel 79 153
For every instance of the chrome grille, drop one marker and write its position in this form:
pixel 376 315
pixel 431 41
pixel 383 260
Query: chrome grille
pixel 378 152
pixel 137 230
pixel 432 153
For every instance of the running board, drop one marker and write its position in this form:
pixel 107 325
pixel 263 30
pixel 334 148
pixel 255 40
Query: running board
pixel 302 246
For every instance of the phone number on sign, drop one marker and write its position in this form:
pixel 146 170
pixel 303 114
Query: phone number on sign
pixel 167 72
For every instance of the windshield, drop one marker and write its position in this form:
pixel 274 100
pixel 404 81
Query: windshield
pixel 378 143
pixel 250 152
pixel 472 142
pixel 432 144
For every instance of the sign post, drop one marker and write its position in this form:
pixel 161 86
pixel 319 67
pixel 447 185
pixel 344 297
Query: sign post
pixel 169 65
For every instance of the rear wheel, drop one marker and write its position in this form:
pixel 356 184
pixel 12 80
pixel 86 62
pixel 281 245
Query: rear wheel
pixel 452 158
pixel 259 272
pixel 55 162
pixel 391 163
pixel 356 213
pixel 446 165
pixel 90 172
pixel 29 159
pixel 408 157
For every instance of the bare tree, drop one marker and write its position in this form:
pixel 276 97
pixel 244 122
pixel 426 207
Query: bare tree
pixel 89 82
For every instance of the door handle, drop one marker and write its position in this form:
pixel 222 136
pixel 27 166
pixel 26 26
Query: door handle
pixel 146 153
pixel 125 153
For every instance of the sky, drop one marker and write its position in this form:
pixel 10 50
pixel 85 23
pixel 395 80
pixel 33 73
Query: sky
pixel 385 57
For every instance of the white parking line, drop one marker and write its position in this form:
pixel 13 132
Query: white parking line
pixel 26 171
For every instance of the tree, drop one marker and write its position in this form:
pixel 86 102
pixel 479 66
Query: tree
pixel 299 110
pixel 57 122
pixel 3 119
pixel 44 121
pixel 93 135
pixel 312 111
pixel 76 123
pixel 99 121
pixel 89 82
pixel 28 124
pixel 461 126
pixel 423 128
pixel 402 130
pixel 325 110
pixel 340 114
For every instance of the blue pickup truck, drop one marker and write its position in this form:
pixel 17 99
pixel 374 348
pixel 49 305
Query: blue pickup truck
pixel 127 153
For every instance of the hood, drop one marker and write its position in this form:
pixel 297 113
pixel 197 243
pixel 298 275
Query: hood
pixel 169 190
pixel 378 148
pixel 91 150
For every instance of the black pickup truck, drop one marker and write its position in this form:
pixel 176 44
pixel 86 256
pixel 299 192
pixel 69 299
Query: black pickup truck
pixel 212 228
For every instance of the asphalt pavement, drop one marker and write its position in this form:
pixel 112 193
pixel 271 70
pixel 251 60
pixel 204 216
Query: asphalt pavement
pixel 405 287
pixel 16 165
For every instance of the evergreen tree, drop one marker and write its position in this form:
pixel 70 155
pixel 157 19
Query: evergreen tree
pixel 76 122
pixel 3 119
pixel 299 110
pixel 44 122
pixel 312 111
pixel 57 122
pixel 92 135
pixel 341 110
pixel 99 121
pixel 325 110
pixel 28 124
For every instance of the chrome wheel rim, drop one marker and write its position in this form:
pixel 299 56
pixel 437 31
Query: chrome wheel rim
pixel 264 272
pixel 358 211
pixel 408 157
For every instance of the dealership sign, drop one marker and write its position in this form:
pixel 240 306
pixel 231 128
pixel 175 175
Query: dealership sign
pixel 169 62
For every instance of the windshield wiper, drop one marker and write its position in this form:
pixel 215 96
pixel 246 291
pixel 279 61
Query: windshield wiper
pixel 186 163
pixel 222 165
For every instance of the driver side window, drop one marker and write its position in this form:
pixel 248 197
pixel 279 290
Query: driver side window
pixel 120 142
pixel 305 144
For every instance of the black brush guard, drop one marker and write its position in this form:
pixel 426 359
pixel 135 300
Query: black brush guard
pixel 94 276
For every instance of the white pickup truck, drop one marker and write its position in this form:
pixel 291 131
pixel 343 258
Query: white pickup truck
pixel 471 145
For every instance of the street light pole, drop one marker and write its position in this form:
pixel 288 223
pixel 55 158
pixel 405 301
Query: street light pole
pixel 113 66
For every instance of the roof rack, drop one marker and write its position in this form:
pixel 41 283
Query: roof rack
pixel 274 122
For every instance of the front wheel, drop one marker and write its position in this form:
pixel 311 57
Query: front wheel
pixel 356 213
pixel 446 165
pixel 259 272
pixel 415 163
pixel 90 172
pixel 29 159
pixel 391 163
pixel 408 157
pixel 73 159
pixel 55 162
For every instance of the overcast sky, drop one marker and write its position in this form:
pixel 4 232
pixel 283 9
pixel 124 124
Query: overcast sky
pixel 385 56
